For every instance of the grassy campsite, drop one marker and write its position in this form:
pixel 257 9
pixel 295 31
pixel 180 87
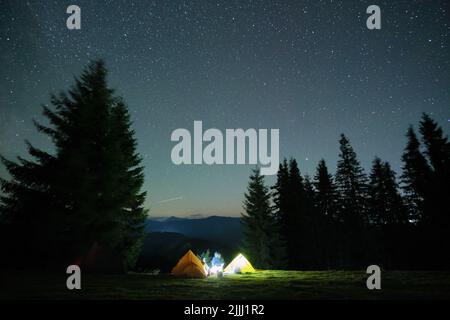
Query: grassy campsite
pixel 193 278
pixel 268 284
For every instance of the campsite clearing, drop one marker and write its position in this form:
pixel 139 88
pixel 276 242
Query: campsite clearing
pixel 259 285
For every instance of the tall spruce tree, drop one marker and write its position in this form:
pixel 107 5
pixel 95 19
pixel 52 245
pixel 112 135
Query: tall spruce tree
pixel 389 224
pixel 326 194
pixel 287 197
pixel 30 223
pixel 90 187
pixel 310 227
pixel 437 150
pixel 351 183
pixel 280 194
pixel 437 146
pixel 297 221
pixel 326 209
pixel 415 178
pixel 437 215
pixel 309 197
pixel 262 242
pixel 130 178
pixel 385 202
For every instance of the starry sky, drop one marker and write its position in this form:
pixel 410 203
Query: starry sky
pixel 309 68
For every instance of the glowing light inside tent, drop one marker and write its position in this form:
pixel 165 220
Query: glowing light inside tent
pixel 240 264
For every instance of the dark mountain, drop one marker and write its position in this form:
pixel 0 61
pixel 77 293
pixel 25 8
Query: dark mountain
pixel 162 250
pixel 222 230
pixel 168 239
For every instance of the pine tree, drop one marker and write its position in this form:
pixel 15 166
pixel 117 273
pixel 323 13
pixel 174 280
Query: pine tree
pixel 288 201
pixel 29 211
pixel 280 209
pixel 436 213
pixel 326 195
pixel 437 146
pixel 295 185
pixel 296 222
pixel 280 194
pixel 309 195
pixel 385 202
pixel 262 241
pixel 326 209
pixel 310 226
pixel 415 178
pixel 91 186
pixel 437 150
pixel 351 183
pixel 130 178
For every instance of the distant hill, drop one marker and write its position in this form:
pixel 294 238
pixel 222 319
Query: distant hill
pixel 162 250
pixel 170 238
pixel 222 230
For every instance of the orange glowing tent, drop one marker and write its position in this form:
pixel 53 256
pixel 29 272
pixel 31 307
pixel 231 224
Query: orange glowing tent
pixel 189 266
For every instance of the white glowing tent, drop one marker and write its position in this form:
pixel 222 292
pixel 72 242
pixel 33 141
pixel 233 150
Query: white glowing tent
pixel 240 264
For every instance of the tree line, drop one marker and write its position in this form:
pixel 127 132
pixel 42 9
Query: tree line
pixel 83 203
pixel 352 219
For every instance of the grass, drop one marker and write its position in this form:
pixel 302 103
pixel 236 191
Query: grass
pixel 270 284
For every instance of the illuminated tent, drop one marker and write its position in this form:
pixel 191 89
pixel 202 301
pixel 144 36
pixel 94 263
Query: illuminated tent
pixel 189 266
pixel 240 264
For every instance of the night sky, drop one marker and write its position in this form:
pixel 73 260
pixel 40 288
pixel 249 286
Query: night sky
pixel 310 68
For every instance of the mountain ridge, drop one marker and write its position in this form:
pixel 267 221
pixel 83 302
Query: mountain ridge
pixel 219 229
